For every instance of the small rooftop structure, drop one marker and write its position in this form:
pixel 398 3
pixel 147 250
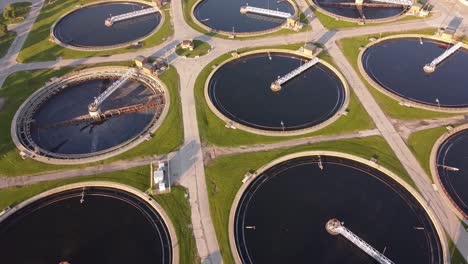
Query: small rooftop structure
pixel 187 44
pixel 418 9
pixel 309 49
pixel 294 23
pixel 149 68
pixel 160 177
pixel 415 8
pixel 447 34
pixel 140 60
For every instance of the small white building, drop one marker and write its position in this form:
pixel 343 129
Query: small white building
pixel 160 177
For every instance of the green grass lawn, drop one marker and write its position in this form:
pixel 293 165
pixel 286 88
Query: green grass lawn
pixel 22 11
pixel 5 43
pixel 334 23
pixel 38 47
pixel 224 175
pixel 178 208
pixel 421 144
pixel 187 6
pixel 174 203
pixel 455 256
pixel 20 85
pixel 200 48
pixel 351 48
pixel 213 130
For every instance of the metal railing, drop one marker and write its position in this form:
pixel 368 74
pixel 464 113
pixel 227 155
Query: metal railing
pixel 297 71
pixel 133 14
pixel 264 11
pixel 446 54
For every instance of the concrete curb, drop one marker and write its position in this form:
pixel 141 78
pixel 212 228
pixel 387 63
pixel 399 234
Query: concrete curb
pixel 104 154
pixel 406 101
pixel 411 190
pixel 257 131
pixel 110 47
pixel 118 186
pixel 435 172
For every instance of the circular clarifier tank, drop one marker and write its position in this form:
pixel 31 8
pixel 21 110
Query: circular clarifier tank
pixel 225 15
pixel 343 8
pixel 282 214
pixel 56 122
pixel 397 66
pixel 452 167
pixel 85 27
pixel 109 226
pixel 241 91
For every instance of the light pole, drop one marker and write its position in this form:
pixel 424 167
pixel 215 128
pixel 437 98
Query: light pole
pixel 282 125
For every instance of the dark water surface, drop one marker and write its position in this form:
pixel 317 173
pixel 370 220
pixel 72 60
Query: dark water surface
pixel 290 204
pixel 454 153
pixel 225 14
pixel 85 26
pixel 241 91
pixel 84 138
pixel 109 227
pixel 397 65
pixel 352 12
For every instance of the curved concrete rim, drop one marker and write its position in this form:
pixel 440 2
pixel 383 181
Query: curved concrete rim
pixel 109 47
pixel 435 172
pixel 239 34
pixel 118 186
pixel 263 132
pixel 103 154
pixel 439 229
pixel 357 20
pixel 402 100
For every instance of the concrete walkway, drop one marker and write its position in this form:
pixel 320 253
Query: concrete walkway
pixel 216 152
pixel 407 127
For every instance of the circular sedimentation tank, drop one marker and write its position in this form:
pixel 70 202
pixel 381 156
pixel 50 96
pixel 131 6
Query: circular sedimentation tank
pixel 348 11
pixel 55 124
pixel 396 65
pixel 85 28
pixel 225 15
pixel 452 166
pixel 108 226
pixel 285 215
pixel 241 90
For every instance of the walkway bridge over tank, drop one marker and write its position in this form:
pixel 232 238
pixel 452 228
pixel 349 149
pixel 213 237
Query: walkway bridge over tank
pixel 429 68
pixel 276 85
pixel 335 227
pixel 264 11
pixel 113 19
pixel 154 102
pixel 95 107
